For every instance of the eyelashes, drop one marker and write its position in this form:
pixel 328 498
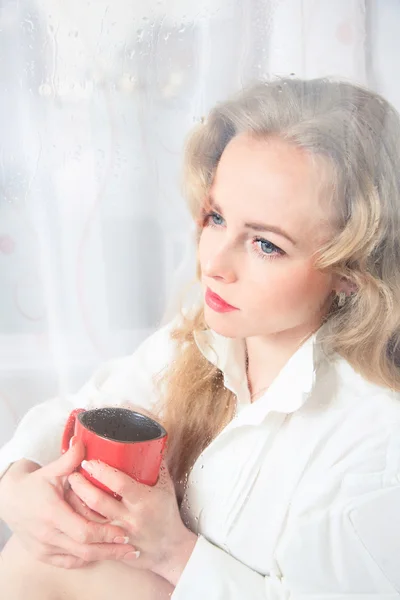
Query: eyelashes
pixel 263 248
pixel 214 217
pixel 272 252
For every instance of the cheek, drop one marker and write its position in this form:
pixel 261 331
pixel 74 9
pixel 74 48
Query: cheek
pixel 201 246
pixel 290 287
pixel 205 248
pixel 307 281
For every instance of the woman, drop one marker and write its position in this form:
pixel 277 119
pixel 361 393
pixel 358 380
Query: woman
pixel 280 393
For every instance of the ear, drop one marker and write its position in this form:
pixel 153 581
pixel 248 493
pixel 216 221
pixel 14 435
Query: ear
pixel 342 284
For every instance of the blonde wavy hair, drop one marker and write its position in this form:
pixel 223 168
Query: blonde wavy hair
pixel 357 133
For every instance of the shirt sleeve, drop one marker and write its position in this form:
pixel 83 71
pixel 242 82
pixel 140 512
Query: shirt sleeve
pixel 350 552
pixel 128 380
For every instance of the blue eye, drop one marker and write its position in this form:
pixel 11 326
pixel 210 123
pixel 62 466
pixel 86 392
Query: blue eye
pixel 267 249
pixel 216 218
pixel 213 219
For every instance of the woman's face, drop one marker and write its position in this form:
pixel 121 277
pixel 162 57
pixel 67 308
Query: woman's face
pixel 266 220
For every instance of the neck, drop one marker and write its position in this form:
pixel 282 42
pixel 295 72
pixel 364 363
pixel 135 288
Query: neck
pixel 267 355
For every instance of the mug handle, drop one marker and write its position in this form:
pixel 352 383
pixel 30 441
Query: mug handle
pixel 69 429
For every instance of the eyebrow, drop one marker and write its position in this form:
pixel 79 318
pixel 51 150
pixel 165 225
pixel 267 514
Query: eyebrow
pixel 258 226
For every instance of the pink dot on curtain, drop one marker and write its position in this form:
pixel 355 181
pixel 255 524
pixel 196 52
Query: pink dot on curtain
pixel 345 32
pixel 7 244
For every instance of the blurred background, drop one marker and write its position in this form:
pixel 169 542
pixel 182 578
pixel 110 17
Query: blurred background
pixel 96 99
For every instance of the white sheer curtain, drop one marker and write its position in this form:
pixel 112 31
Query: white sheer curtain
pixel 95 101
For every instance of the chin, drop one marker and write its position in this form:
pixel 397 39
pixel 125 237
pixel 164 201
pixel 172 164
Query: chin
pixel 225 324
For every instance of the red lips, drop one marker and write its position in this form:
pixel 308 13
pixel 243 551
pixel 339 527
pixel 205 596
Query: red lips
pixel 217 303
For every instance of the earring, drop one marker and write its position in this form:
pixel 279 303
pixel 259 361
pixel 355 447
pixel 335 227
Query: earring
pixel 341 299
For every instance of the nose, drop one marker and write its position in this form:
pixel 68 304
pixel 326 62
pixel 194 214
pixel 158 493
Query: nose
pixel 219 265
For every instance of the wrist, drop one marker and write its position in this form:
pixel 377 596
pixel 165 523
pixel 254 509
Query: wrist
pixel 14 472
pixel 174 562
pixel 22 467
pixel 18 469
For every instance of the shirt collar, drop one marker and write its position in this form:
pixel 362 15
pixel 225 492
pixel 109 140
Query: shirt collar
pixel 288 392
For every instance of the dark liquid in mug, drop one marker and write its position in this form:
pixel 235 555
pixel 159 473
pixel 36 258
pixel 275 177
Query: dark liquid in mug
pixel 121 425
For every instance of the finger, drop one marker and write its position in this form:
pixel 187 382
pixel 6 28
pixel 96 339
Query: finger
pixel 51 554
pixel 96 499
pixel 93 552
pixel 117 481
pixel 81 508
pixel 64 561
pixel 80 529
pixel 66 463
pixel 40 549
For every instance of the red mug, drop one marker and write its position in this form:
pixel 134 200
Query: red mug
pixel 120 437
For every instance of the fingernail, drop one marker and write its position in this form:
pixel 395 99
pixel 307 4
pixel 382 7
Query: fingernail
pixel 121 524
pixel 85 465
pixel 121 540
pixel 132 556
pixel 72 441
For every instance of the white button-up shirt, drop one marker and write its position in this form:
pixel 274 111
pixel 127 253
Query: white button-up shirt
pixel 298 498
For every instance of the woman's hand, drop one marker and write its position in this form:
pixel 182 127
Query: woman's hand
pixel 32 504
pixel 149 515
pixel 80 507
